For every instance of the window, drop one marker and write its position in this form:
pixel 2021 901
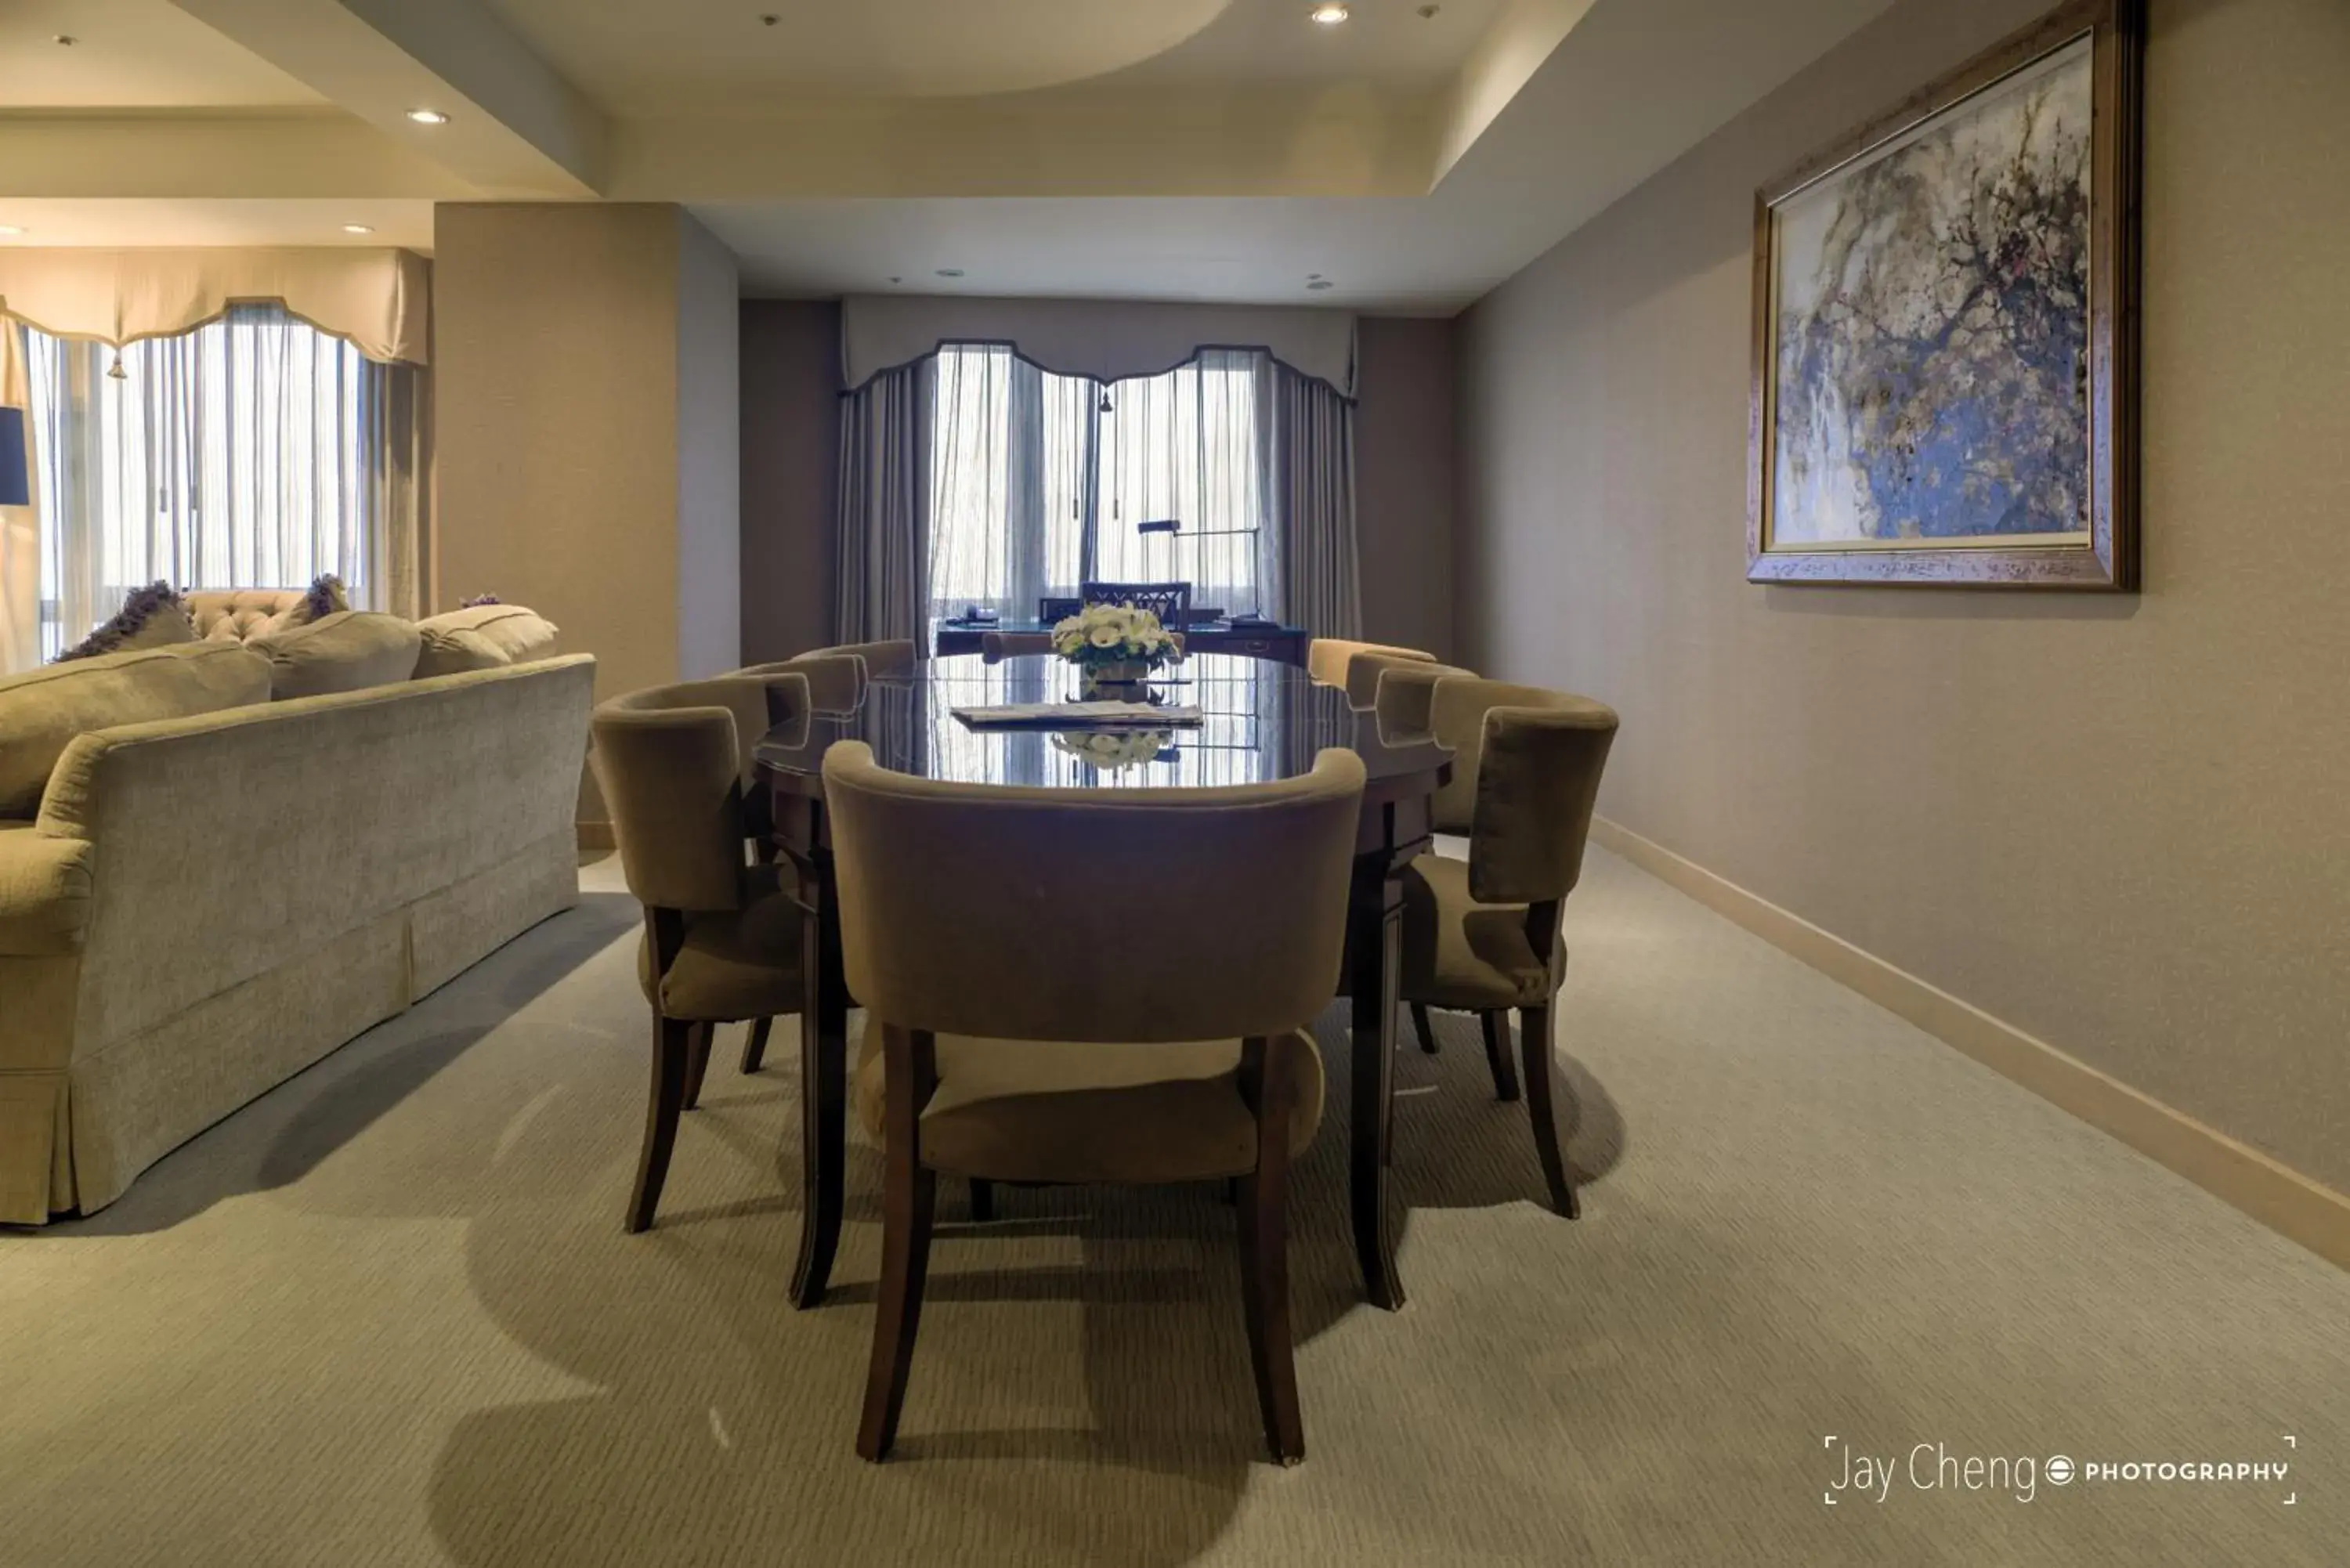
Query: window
pixel 255 451
pixel 1040 481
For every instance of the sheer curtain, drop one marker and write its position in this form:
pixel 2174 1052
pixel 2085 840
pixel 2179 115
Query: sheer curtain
pixel 253 451
pixel 1040 481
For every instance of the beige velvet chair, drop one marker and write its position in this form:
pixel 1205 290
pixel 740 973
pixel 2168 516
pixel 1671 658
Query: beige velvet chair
pixel 1329 658
pixel 1405 691
pixel 721 942
pixel 1482 935
pixel 893 658
pixel 835 681
pixel 1013 1035
pixel 995 647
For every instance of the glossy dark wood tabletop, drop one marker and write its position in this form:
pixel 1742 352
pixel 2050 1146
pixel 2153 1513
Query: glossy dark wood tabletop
pixel 1262 721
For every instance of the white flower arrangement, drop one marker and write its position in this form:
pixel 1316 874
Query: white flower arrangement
pixel 1110 749
pixel 1113 634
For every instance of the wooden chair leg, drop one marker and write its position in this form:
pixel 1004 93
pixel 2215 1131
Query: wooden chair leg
pixel 982 1201
pixel 1542 1093
pixel 755 1049
pixel 1421 1026
pixel 1267 1080
pixel 909 1199
pixel 697 1061
pixel 1497 1055
pixel 671 1049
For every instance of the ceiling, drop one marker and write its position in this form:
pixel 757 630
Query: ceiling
pixel 1214 149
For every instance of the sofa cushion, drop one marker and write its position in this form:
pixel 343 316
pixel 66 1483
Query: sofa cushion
pixel 350 650
pixel 151 617
pixel 240 615
pixel 483 637
pixel 42 710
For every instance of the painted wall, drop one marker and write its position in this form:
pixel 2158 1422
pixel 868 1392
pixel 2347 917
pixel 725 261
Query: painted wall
pixel 2114 823
pixel 1404 478
pixel 790 436
pixel 791 455
pixel 709 455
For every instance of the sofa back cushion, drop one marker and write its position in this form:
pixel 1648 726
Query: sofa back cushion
pixel 43 709
pixel 235 615
pixel 350 650
pixel 483 637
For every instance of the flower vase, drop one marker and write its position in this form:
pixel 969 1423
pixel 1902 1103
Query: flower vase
pixel 1115 680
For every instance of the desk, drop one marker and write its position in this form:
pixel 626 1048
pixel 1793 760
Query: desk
pixel 1285 644
pixel 1263 720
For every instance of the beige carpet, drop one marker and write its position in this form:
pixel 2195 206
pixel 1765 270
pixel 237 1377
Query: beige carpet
pixel 386 1315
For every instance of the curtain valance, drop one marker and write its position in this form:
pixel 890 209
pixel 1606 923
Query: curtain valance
pixel 380 300
pixel 1109 340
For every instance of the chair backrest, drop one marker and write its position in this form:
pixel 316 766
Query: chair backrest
pixel 1052 607
pixel 1367 670
pixel 1526 762
pixel 836 682
pixel 1171 602
pixel 995 647
pixel 1328 659
pixel 1122 914
pixel 1407 687
pixel 891 660
pixel 671 772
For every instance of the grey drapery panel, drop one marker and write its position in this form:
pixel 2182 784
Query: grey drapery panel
pixel 883 523
pixel 1317 577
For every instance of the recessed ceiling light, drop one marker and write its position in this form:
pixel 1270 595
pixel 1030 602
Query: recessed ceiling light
pixel 1329 15
pixel 949 272
pixel 359 228
pixel 428 117
pixel 10 229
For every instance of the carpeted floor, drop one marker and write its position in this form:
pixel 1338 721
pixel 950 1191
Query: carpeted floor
pixel 386 1316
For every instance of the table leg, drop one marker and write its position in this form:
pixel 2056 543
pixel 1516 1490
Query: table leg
pixel 1375 922
pixel 824 1083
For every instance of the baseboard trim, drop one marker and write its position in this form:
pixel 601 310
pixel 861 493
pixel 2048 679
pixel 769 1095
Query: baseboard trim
pixel 597 836
pixel 2279 1197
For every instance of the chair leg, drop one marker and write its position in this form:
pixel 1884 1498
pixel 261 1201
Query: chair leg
pixel 1421 1026
pixel 667 1100
pixel 1263 1216
pixel 982 1201
pixel 697 1062
pixel 1497 1055
pixel 910 1200
pixel 1533 1045
pixel 755 1049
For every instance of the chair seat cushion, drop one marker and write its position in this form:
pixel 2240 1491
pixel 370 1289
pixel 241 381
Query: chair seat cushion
pixel 1457 952
pixel 736 964
pixel 1062 1111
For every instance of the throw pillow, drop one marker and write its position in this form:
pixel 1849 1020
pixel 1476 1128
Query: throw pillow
pixel 323 598
pixel 483 637
pixel 43 709
pixel 350 650
pixel 151 617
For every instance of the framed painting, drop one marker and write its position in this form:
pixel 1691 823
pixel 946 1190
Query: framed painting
pixel 1945 328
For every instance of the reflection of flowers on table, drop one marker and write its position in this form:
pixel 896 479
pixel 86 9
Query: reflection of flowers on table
pixel 1110 749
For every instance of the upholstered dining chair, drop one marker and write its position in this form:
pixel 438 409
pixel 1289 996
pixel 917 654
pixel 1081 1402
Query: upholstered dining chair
pixel 995 647
pixel 835 681
pixel 1482 935
pixel 721 942
pixel 1404 691
pixel 1329 658
pixel 1086 1055
pixel 892 658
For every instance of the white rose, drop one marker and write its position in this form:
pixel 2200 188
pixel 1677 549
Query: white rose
pixel 1104 636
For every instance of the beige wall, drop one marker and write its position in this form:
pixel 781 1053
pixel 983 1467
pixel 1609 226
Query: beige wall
pixel 791 454
pixel 1404 478
pixel 2118 824
pixel 709 455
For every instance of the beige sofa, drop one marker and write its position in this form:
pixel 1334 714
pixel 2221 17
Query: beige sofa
pixel 206 904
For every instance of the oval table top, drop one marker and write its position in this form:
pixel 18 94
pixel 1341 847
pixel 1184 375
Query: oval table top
pixel 1262 720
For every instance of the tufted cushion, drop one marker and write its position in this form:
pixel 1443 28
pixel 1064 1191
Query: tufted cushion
pixel 42 710
pixel 735 964
pixel 1459 953
pixel 348 652
pixel 1034 1110
pixel 483 637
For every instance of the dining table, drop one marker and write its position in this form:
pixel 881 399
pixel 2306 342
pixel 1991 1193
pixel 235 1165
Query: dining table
pixel 1258 720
